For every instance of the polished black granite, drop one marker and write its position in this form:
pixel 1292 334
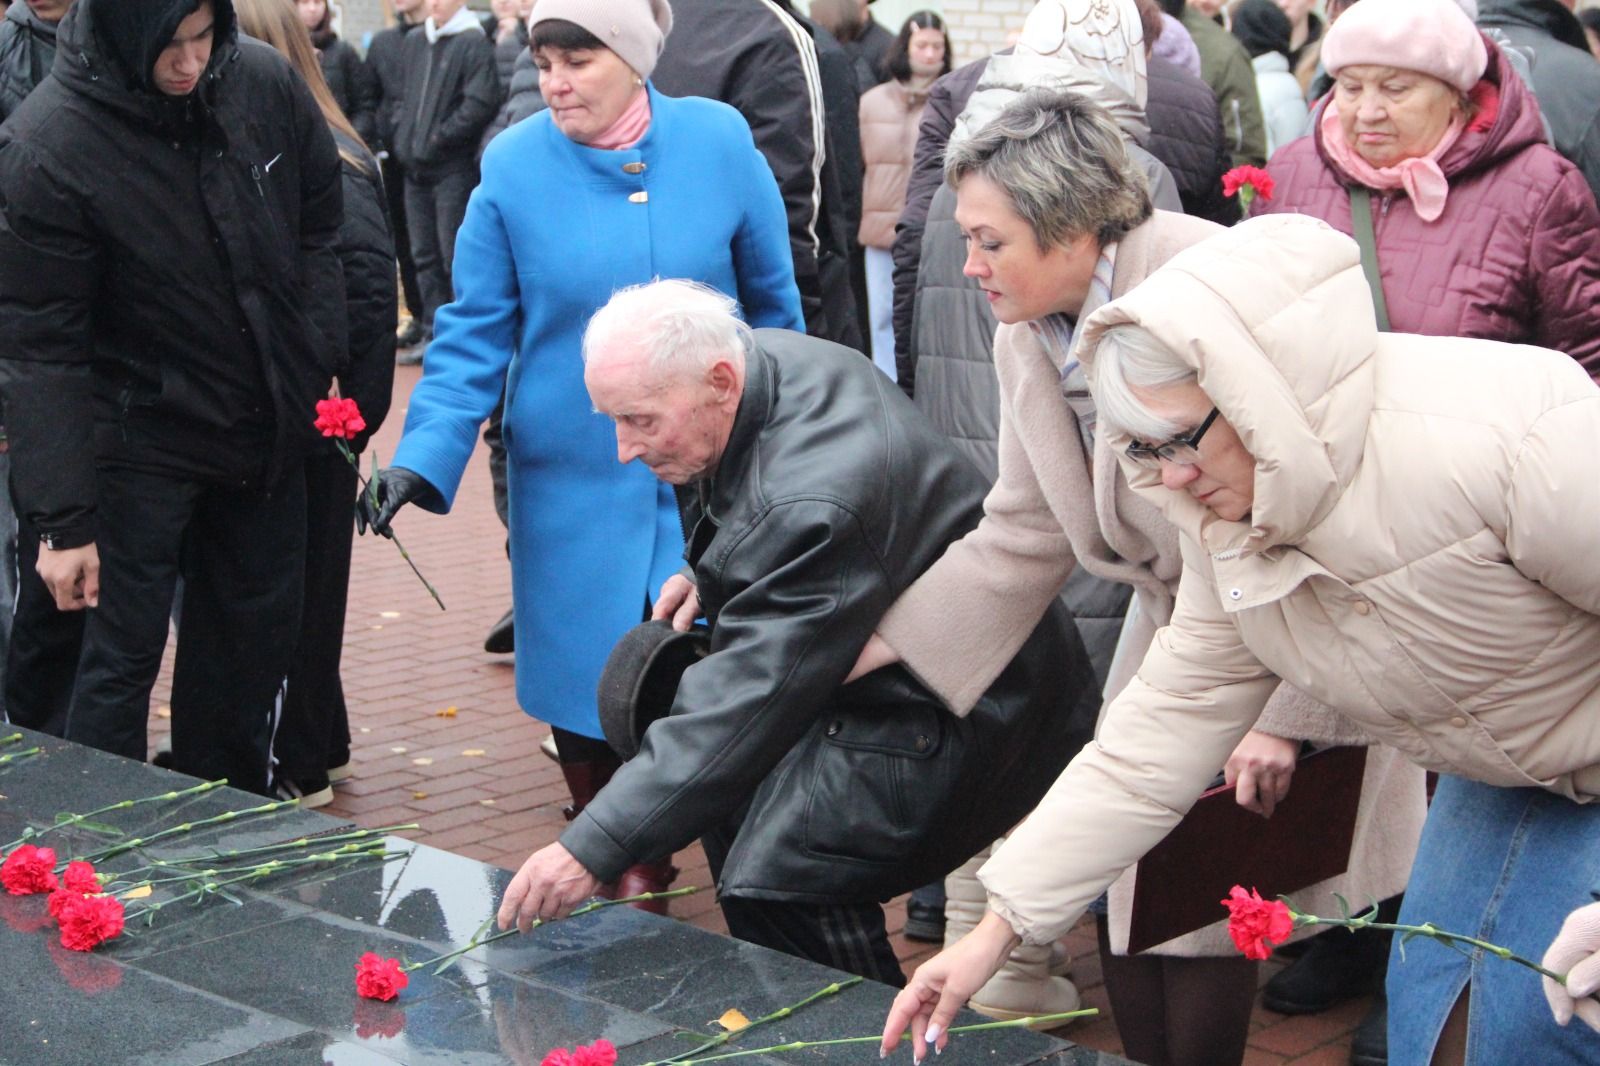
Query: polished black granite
pixel 267 978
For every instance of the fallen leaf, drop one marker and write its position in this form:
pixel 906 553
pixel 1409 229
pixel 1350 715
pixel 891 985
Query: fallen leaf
pixel 419 795
pixel 366 729
pixel 486 803
pixel 422 760
pixel 399 750
pixel 733 1020
pixel 474 751
pixel 164 711
pixel 388 614
pixel 448 712
pixel 138 893
pixel 377 627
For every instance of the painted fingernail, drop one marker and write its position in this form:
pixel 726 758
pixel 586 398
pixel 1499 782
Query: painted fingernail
pixel 933 1033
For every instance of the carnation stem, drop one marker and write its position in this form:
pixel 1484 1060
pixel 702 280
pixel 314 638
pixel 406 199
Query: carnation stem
pixel 288 845
pixel 797 1045
pixel 1432 932
pixel 188 827
pixel 12 739
pixel 355 848
pixel 67 821
pixel 371 489
pixel 212 886
pixel 18 756
pixel 442 962
pixel 778 1015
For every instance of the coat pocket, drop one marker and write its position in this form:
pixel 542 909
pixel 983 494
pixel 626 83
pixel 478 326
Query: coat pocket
pixel 881 772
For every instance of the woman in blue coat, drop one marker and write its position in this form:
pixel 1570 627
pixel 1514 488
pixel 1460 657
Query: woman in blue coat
pixel 613 185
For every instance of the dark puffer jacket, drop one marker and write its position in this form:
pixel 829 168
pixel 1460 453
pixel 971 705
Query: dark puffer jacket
pixel 353 85
pixel 1186 134
pixel 366 254
pixel 832 496
pixel 27 51
pixel 523 100
pixel 1513 258
pixel 169 271
pixel 1565 76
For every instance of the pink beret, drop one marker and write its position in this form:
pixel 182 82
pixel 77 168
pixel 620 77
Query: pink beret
pixel 1432 37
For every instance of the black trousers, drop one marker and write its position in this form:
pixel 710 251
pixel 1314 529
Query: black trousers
pixel 241 553
pixel 434 210
pixel 42 659
pixel 847 936
pixel 394 190
pixel 314 729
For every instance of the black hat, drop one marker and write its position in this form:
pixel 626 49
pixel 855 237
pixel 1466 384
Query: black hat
pixel 1262 27
pixel 640 680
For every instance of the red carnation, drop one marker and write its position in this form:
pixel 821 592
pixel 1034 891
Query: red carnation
pixel 29 870
pixel 1248 182
pixel 339 418
pixel 80 877
pixel 1253 922
pixel 89 921
pixel 380 978
pixel 599 1053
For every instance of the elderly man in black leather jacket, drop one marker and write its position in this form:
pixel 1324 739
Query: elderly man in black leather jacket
pixel 815 494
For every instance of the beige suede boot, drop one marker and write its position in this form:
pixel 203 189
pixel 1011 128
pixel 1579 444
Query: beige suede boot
pixel 1024 987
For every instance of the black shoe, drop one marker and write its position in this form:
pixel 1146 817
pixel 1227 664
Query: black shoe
pixel 924 922
pixel 502 636
pixel 411 336
pixel 1336 967
pixel 1370 1045
pixel 312 792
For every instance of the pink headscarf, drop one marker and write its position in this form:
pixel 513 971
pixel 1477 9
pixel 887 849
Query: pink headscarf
pixel 1420 176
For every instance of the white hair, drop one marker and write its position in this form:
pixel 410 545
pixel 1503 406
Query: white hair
pixel 1129 358
pixel 681 326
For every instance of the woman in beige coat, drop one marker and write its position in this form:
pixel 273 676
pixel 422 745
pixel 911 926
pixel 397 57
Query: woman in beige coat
pixel 1403 527
pixel 1060 501
pixel 891 115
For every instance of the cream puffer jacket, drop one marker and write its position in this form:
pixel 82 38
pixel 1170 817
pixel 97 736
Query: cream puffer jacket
pixel 891 117
pixel 1420 556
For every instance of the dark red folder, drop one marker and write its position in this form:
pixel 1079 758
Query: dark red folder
pixel 1220 844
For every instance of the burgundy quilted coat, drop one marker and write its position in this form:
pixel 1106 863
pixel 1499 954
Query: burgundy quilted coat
pixel 1514 256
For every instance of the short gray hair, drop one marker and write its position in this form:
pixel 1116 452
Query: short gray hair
pixel 682 326
pixel 1126 358
pixel 1062 160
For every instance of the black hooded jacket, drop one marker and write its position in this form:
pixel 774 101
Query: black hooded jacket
pixel 27 50
pixel 171 298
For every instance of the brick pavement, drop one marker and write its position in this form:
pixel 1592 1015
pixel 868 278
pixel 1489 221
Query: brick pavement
pixel 440 741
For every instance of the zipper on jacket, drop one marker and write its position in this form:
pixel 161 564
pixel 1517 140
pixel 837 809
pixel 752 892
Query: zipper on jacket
pixel 255 174
pixel 1238 126
pixel 422 97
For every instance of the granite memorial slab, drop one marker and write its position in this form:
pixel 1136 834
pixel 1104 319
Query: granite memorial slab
pixel 262 974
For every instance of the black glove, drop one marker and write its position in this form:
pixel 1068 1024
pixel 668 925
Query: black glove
pixel 393 488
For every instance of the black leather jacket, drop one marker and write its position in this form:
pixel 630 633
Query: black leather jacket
pixel 833 495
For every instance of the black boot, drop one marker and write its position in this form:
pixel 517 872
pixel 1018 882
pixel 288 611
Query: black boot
pixel 1337 966
pixel 1370 1045
pixel 502 638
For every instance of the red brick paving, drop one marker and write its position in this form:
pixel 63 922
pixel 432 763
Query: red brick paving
pixel 475 781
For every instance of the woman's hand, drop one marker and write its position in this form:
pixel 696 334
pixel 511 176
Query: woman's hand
pixel 875 656
pixel 1261 767
pixel 679 601
pixel 939 988
pixel 1576 953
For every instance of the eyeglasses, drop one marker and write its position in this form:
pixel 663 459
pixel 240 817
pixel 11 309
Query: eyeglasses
pixel 1185 451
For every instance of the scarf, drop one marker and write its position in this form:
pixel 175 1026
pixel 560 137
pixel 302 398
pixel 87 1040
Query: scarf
pixel 629 128
pixel 1420 176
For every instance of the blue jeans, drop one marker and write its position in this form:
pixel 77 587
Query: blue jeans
pixel 1504 865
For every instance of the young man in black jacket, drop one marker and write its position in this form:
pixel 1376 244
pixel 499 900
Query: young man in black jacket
pixel 450 91
pixel 173 307
pixel 384 61
pixel 815 495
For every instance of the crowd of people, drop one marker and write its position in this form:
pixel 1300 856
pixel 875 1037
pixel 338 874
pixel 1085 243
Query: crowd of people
pixel 868 428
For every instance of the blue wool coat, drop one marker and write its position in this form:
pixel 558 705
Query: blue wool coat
pixel 551 232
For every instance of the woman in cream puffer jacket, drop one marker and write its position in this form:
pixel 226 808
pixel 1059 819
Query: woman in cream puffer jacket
pixel 1412 543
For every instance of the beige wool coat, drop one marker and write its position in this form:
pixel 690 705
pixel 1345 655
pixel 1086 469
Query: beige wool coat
pixel 1419 556
pixel 1055 506
pixel 891 117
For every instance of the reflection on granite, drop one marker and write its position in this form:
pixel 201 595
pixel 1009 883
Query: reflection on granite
pixel 269 981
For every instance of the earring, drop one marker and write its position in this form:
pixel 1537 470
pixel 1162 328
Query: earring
pixel 638 80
